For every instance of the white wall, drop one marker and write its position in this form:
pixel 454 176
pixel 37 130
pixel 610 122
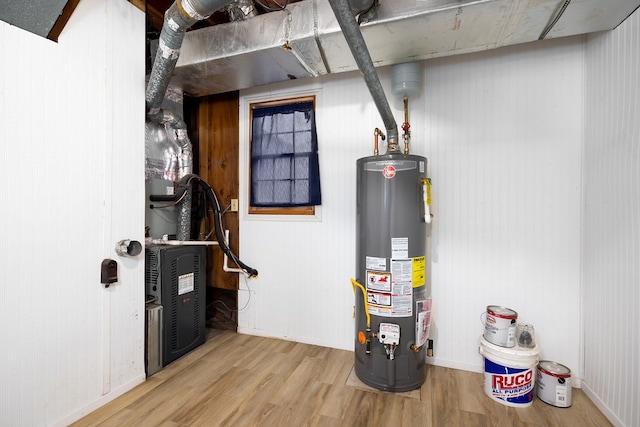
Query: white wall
pixel 502 131
pixel 611 242
pixel 72 182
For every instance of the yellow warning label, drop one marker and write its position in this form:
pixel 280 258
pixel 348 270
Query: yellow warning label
pixel 418 271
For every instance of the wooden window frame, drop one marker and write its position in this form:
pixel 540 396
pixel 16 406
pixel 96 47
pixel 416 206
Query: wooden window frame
pixel 274 210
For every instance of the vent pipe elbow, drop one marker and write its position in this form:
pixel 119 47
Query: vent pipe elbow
pixel 351 31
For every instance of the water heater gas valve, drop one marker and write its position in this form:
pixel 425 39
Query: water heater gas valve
pixel 389 334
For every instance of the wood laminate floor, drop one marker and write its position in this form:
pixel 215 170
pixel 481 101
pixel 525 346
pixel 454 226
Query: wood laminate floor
pixel 242 380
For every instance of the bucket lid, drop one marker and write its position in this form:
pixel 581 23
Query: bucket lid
pixel 554 369
pixel 508 352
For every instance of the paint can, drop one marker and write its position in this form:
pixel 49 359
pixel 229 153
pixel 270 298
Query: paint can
pixel 500 326
pixel 509 373
pixel 554 384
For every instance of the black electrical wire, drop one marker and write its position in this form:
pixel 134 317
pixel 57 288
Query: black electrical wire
pixel 246 304
pixel 272 9
pixel 553 22
pixel 179 195
pixel 174 199
pixel 217 221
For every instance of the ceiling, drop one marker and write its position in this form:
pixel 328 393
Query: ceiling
pixel 45 18
pixel 221 54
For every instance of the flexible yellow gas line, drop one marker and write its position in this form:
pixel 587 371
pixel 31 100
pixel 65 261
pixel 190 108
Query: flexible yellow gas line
pixel 364 298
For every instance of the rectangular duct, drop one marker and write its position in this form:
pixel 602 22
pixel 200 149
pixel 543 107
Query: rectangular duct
pixel 305 40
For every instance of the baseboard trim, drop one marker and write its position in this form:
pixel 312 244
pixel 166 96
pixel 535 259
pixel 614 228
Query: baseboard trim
pixel 606 411
pixel 101 401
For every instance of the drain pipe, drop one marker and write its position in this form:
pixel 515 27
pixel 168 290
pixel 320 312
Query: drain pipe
pixel 355 40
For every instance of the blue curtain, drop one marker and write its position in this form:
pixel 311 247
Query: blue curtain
pixel 284 156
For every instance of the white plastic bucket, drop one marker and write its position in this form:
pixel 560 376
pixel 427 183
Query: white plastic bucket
pixel 554 384
pixel 509 373
pixel 500 326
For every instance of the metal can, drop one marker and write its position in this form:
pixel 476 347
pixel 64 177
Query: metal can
pixel 500 326
pixel 554 383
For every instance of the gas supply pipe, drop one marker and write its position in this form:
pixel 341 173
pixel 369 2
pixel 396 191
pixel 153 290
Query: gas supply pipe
pixel 368 334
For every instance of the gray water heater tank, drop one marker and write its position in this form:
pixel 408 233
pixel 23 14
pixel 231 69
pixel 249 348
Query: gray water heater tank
pixel 391 252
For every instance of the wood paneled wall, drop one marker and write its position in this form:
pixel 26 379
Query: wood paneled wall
pixel 215 136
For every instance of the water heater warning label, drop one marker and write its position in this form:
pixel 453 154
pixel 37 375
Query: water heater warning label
pixel 378 281
pixel 401 270
pixel 388 295
pixel 375 263
pixel 399 247
pixel 379 299
pixel 423 321
pixel 418 272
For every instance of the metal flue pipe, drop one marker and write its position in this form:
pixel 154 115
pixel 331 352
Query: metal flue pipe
pixel 355 40
pixel 181 15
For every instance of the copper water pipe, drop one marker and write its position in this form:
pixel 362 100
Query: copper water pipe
pixel 377 132
pixel 406 126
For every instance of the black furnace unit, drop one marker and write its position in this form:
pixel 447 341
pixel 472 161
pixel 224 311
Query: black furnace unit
pixel 175 278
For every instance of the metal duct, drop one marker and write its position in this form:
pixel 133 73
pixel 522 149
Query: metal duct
pixel 239 10
pixel 161 153
pixel 168 151
pixel 305 40
pixel 168 158
pixel 183 230
pixel 181 15
pixel 352 34
pixel 185 160
pixel 184 168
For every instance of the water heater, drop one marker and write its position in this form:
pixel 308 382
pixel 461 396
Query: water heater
pixel 392 305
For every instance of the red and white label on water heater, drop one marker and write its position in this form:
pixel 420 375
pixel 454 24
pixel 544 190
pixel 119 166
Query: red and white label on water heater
pixel 389 171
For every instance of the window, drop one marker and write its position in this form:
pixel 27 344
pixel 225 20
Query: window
pixel 284 170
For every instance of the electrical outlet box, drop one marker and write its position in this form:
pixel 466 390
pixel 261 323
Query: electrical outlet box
pixel 234 205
